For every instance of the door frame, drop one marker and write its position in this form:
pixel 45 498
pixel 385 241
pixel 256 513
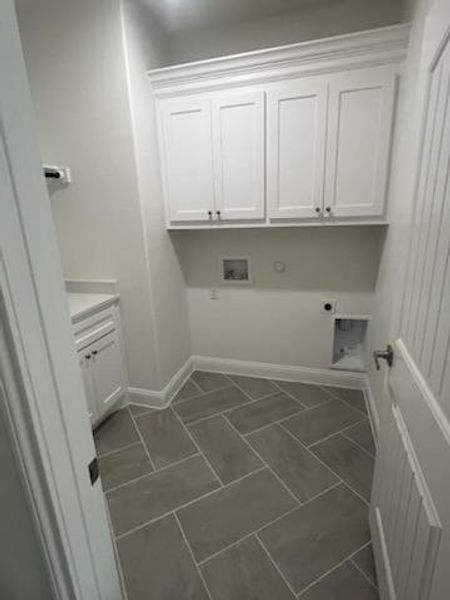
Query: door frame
pixel 46 405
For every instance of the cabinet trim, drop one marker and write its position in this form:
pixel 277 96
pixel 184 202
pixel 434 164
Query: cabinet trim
pixel 366 48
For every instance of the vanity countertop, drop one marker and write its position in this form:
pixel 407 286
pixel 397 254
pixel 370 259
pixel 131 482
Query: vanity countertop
pixel 84 304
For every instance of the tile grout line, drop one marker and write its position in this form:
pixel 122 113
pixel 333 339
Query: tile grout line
pixel 336 566
pixel 246 393
pixel 358 568
pixel 156 472
pixel 357 444
pixel 330 435
pixel 343 481
pixel 286 487
pixel 142 440
pixel 290 395
pixel 196 566
pixel 200 395
pixel 269 524
pixel 189 503
pixel 127 447
pixel 360 412
pixel 191 437
pixel 277 568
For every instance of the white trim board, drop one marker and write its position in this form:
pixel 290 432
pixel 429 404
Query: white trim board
pixel 162 398
pixel 376 46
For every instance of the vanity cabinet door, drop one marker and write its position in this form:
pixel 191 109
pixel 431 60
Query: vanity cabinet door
pixel 360 123
pixel 296 137
pixel 187 158
pixel 239 160
pixel 91 398
pixel 107 373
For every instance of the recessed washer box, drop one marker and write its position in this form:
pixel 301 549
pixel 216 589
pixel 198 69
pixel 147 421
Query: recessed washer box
pixel 235 270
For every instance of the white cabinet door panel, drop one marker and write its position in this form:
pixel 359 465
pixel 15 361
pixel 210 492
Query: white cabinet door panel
pixel 296 134
pixel 107 371
pixel 85 366
pixel 238 134
pixel 361 112
pixel 187 158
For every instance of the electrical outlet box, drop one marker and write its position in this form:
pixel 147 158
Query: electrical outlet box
pixel 328 307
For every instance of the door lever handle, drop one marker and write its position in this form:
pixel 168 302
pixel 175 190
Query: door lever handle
pixel 387 355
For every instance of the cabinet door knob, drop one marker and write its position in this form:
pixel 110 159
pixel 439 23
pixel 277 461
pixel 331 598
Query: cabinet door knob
pixel 210 214
pixel 87 356
pixel 94 352
pixel 318 210
pixel 328 209
pixel 218 214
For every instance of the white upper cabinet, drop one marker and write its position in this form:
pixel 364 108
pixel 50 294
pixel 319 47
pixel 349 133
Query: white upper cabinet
pixel 360 123
pixel 296 134
pixel 239 160
pixel 187 158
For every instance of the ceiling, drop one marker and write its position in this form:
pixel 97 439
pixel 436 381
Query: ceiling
pixel 181 15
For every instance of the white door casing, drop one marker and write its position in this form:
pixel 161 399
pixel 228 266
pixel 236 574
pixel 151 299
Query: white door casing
pixel 296 141
pixel 360 124
pixel 51 426
pixel 410 509
pixel 238 120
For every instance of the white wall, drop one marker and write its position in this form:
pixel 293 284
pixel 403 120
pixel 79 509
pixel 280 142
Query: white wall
pixel 277 319
pixel 146 48
pixel 337 18
pixel 401 198
pixel 90 100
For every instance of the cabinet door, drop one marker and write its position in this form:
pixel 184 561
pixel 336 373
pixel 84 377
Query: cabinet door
pixel 296 130
pixel 85 366
pixel 361 113
pixel 107 373
pixel 187 158
pixel 238 136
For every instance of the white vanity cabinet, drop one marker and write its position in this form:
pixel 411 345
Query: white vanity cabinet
pixel 100 356
pixel 289 136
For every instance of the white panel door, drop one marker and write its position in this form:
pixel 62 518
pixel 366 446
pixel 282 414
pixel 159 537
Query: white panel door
pixel 187 158
pixel 410 509
pixel 239 155
pixel 107 374
pixel 360 122
pixel 296 133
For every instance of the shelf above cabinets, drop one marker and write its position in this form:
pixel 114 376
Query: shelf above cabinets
pixel 294 136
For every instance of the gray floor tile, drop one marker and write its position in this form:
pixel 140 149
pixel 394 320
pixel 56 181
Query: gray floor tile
pixel 309 395
pixel 157 564
pixel 318 535
pixel 304 475
pixel 124 465
pixel 150 497
pixel 137 410
pixel 355 398
pixel 244 572
pixel 210 404
pixel 165 437
pixel 116 432
pixel 254 387
pixel 347 460
pixel 317 423
pixel 209 381
pixel 227 452
pixel 361 433
pixel 344 583
pixel 188 390
pixel 213 523
pixel 263 412
pixel 365 561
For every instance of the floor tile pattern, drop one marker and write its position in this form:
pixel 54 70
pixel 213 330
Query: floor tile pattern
pixel 243 488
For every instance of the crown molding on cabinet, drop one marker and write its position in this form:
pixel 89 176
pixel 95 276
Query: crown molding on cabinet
pixel 367 48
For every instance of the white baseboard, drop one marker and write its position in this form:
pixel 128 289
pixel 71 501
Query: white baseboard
pixel 288 373
pixel 160 399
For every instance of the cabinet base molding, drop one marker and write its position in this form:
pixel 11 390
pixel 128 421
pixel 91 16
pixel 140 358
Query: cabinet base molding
pixel 284 372
pixel 162 398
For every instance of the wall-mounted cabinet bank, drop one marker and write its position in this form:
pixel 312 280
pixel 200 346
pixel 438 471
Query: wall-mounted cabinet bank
pixel 292 136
